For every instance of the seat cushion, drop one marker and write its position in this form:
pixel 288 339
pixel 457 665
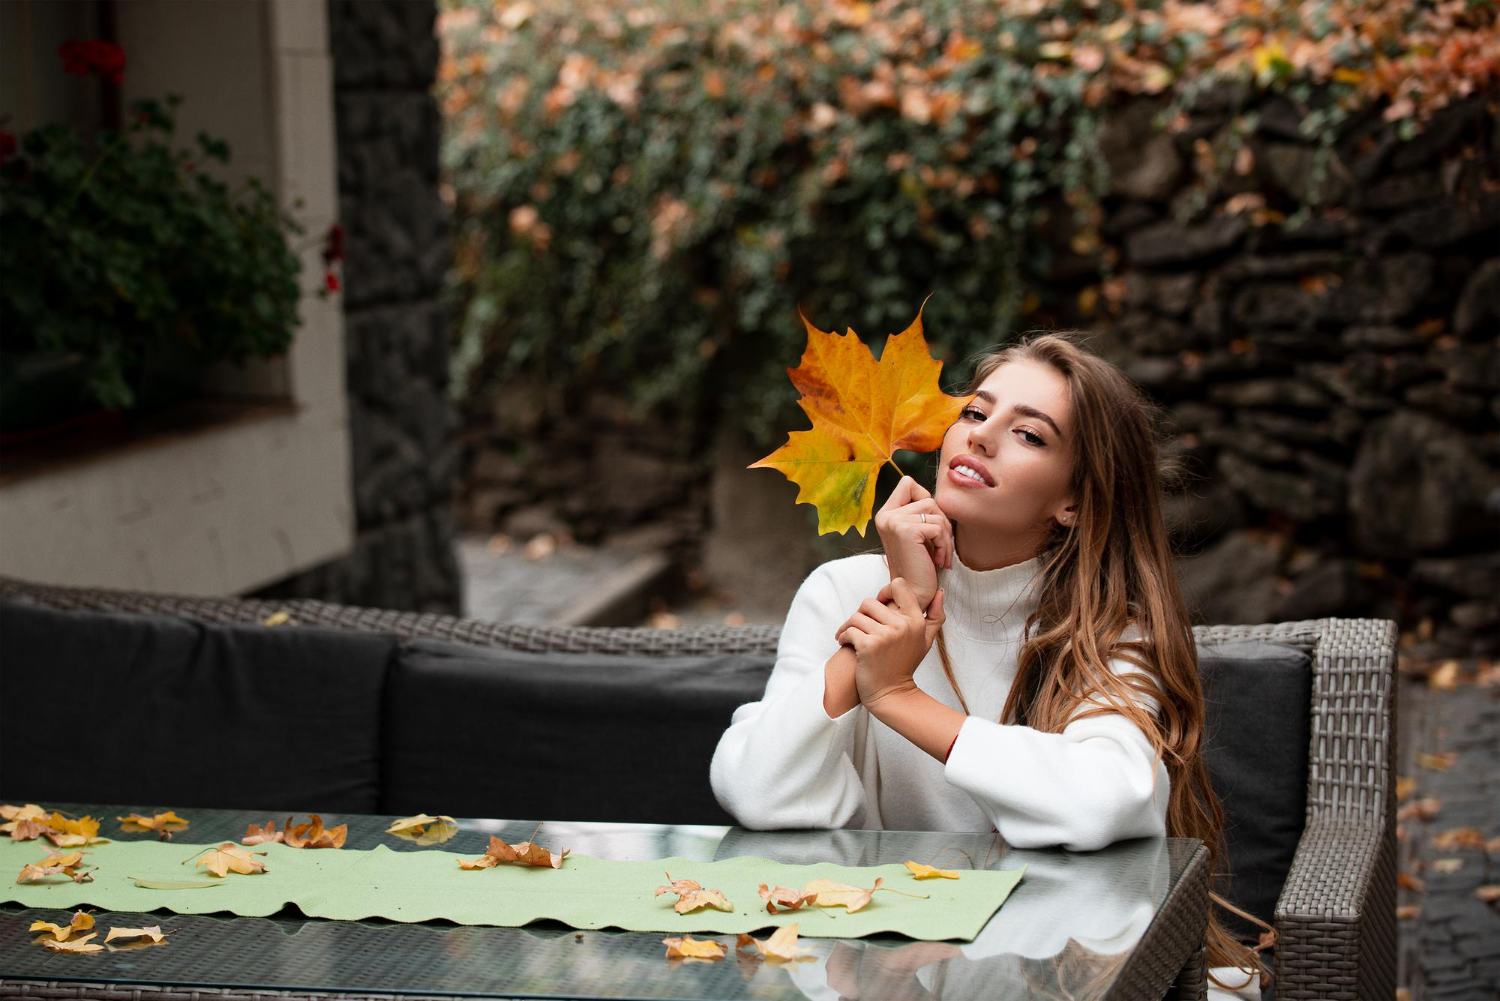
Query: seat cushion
pixel 1258 728
pixel 163 711
pixel 483 732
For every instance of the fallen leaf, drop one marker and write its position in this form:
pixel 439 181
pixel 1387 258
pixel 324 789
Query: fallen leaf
pixel 68 864
pixel 691 896
pixel 1458 837
pixel 1407 881
pixel 862 412
pixel 80 945
pixel 1445 678
pixel 280 618
pixel 828 893
pixel 154 933
pixel 781 946
pixel 227 858
pixel 1437 762
pixel 1489 894
pixel 782 898
pixel 691 948
pixel 1447 866
pixel 81 921
pixel 424 829
pixel 521 853
pixel 28 812
pixel 164 823
pixel 173 884
pixel 1492 846
pixel 921 871
pixel 312 835
pixel 257 835
pixel 1405 786
pixel 27 829
pixel 67 833
pixel 1420 809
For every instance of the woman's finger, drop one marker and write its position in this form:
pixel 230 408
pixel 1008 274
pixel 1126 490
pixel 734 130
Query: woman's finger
pixel 880 611
pixel 901 496
pixel 906 598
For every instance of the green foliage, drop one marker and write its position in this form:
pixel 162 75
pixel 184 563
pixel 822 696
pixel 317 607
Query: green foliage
pixel 126 253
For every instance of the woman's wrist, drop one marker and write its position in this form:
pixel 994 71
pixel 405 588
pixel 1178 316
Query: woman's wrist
pixel 919 718
pixel 840 694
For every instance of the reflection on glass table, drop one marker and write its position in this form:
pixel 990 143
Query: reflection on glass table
pixel 1072 928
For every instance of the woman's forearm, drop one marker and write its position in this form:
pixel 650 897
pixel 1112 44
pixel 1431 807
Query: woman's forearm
pixel 919 718
pixel 839 693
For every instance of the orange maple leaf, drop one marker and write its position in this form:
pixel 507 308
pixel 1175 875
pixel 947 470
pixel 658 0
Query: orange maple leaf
pixel 781 946
pixel 163 823
pixel 258 835
pixel 691 896
pixel 521 853
pixel 862 412
pixel 312 835
pixel 690 949
pixel 227 858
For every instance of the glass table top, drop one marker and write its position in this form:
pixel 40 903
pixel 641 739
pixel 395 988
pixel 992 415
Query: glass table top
pixel 1069 929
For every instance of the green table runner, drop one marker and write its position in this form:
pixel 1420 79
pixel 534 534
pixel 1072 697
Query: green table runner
pixel 586 892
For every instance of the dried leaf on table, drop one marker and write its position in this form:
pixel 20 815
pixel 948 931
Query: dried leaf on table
pixel 521 853
pixel 691 896
pixel 27 829
pixel 69 833
pixel 1405 786
pixel 23 823
pixel 690 948
pixel 1447 866
pixel 80 945
pixel 257 835
pixel 781 946
pixel 1489 894
pixel 82 921
pixel 68 864
pixel 153 932
pixel 173 884
pixel 782 898
pixel 424 829
pixel 227 858
pixel 920 871
pixel 164 824
pixel 312 835
pixel 1407 881
pixel 1437 762
pixel 1420 809
pixel 829 893
pixel 1445 678
pixel 862 412
pixel 1407 912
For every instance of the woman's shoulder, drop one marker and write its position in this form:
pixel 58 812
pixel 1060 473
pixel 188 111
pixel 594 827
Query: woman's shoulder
pixel 864 574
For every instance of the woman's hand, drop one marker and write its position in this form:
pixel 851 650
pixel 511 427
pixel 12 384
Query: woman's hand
pixel 889 641
pixel 917 536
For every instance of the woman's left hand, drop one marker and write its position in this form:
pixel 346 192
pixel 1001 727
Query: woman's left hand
pixel 889 641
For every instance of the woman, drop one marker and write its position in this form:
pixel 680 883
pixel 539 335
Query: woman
pixel 1021 660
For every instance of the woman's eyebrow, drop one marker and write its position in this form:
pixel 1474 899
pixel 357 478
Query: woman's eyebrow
pixel 1023 410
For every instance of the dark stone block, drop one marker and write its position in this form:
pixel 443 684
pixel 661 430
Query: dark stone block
pixel 1172 243
pixel 1450 222
pixel 1478 309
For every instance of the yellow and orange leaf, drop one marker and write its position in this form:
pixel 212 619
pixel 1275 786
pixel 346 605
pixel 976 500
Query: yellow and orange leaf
pixel 258 835
pixel 782 898
pixel 921 871
pixel 152 932
pixel 829 893
pixel 781 946
pixel 312 834
pixel 81 945
pixel 424 829
pixel 168 821
pixel 691 896
pixel 67 833
pixel 227 858
pixel 690 948
pixel 862 413
pixel 521 853
pixel 81 921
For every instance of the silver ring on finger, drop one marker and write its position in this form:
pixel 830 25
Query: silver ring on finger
pixel 924 517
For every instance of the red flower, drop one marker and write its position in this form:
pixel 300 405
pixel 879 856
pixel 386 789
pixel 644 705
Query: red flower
pixel 331 281
pixel 333 244
pixel 106 60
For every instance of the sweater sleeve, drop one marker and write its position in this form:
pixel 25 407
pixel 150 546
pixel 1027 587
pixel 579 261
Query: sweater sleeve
pixel 783 762
pixel 1096 782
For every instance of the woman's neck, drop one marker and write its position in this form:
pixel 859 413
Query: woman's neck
pixel 992 553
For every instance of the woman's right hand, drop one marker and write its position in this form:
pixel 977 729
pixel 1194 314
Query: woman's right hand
pixel 915 546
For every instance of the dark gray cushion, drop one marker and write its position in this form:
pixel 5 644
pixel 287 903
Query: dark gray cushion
pixel 166 711
pixel 499 733
pixel 1258 729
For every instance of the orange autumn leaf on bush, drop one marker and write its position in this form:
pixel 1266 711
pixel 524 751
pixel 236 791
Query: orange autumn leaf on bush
pixel 227 858
pixel 312 834
pixel 862 412
pixel 521 853
pixel 691 896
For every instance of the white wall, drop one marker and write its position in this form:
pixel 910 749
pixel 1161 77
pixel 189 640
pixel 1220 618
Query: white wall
pixel 225 509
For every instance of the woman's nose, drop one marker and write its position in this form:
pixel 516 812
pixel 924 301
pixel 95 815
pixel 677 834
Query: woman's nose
pixel 981 439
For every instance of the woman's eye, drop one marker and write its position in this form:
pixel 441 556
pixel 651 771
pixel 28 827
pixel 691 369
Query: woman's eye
pixel 972 413
pixel 1030 435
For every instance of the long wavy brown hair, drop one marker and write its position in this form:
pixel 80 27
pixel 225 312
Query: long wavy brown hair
pixel 1110 572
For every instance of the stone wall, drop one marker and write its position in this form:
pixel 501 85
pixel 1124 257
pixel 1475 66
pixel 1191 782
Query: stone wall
pixel 403 430
pixel 1332 384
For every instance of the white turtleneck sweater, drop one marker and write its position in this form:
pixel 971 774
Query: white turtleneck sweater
pixel 784 763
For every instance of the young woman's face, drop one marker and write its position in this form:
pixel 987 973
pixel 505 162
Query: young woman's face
pixel 1005 463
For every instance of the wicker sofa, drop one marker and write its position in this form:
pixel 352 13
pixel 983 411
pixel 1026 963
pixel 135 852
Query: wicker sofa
pixel 1335 915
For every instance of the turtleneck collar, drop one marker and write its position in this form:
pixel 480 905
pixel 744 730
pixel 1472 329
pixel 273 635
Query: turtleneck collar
pixel 989 605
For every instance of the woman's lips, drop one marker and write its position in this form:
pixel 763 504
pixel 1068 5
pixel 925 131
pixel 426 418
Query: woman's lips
pixel 964 480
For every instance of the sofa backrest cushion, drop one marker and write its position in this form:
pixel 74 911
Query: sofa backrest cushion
pixel 1257 697
pixel 156 710
pixel 482 732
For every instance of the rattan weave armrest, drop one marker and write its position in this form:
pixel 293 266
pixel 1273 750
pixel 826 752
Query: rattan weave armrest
pixel 1335 917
